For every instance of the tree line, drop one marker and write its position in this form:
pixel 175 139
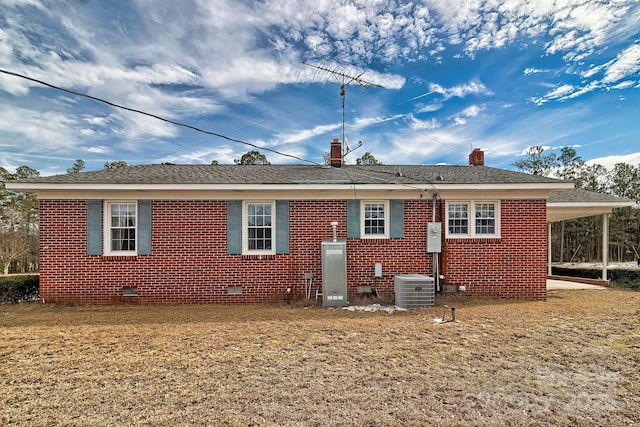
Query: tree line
pixel 577 240
pixel 580 240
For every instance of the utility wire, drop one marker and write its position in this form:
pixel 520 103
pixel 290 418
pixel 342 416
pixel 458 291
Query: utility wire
pixel 254 124
pixel 155 116
pixel 390 181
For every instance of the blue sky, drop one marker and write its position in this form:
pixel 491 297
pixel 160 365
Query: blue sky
pixel 455 75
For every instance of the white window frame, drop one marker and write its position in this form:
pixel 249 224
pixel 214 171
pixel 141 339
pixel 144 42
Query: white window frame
pixel 107 227
pixel 387 217
pixel 245 228
pixel 471 229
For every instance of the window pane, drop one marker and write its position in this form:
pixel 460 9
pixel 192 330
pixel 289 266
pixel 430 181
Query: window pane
pixel 458 218
pixel 485 218
pixel 123 227
pixel 374 219
pixel 259 227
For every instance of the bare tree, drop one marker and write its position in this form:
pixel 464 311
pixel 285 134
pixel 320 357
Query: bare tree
pixel 18 223
pixel 13 246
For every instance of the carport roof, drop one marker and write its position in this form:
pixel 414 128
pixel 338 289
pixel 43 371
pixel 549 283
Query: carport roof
pixel 578 203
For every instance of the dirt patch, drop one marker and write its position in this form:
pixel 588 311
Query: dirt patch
pixel 572 360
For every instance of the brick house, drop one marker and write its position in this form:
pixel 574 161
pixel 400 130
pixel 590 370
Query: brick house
pixel 249 233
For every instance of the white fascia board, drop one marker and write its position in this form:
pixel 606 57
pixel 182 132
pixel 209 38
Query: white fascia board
pixel 567 210
pixel 282 192
pixel 589 204
pixel 19 186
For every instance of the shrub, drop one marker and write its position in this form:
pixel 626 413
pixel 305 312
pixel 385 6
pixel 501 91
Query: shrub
pixel 15 289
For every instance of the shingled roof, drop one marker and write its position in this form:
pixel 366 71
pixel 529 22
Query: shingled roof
pixel 296 174
pixel 579 195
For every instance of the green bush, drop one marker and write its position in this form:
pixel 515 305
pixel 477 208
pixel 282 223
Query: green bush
pixel 618 277
pixel 19 288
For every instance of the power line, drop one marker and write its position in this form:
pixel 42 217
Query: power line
pixel 155 116
pixel 254 124
pixel 209 132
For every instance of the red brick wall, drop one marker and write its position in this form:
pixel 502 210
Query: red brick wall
pixel 513 266
pixel 190 264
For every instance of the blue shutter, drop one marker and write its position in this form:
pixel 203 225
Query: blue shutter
pixel 94 227
pixel 144 227
pixel 282 226
pixel 234 226
pixel 353 218
pixel 396 225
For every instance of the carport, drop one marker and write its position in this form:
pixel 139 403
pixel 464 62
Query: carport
pixel 579 203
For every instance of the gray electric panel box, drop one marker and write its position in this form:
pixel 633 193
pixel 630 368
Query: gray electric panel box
pixel 434 237
pixel 334 273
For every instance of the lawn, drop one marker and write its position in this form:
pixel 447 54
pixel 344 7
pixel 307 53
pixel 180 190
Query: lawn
pixel 571 360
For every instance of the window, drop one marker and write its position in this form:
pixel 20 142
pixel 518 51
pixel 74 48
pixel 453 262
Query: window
pixel 375 219
pixel 458 218
pixel 259 227
pixel 473 219
pixel 485 218
pixel 121 228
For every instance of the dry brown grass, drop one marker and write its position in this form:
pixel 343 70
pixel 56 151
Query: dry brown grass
pixel 572 360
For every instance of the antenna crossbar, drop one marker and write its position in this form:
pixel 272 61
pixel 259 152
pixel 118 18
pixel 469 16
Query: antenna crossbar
pixel 344 79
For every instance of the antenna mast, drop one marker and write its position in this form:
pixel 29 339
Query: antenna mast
pixel 344 79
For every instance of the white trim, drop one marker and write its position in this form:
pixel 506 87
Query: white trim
pixel 298 192
pixel 387 217
pixel 245 225
pixel 43 186
pixel 471 225
pixel 106 226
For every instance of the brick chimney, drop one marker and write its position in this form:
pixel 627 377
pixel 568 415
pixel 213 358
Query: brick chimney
pixel 476 158
pixel 335 156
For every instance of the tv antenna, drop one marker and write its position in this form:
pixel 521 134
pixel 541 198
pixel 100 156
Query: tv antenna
pixel 344 78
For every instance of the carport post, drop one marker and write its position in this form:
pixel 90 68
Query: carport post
pixel 549 249
pixel 605 244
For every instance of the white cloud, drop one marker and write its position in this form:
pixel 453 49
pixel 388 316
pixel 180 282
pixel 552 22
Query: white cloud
pixel 560 91
pixel 224 154
pixel 305 134
pixel 627 63
pixel 97 121
pixel 363 122
pixel 625 66
pixel 623 85
pixel 532 70
pixel 417 124
pixel 460 91
pixel 429 108
pixel 49 131
pixel 610 161
pixel 99 149
pixel 471 111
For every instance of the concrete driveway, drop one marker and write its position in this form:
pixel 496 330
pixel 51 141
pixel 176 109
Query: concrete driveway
pixel 561 284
